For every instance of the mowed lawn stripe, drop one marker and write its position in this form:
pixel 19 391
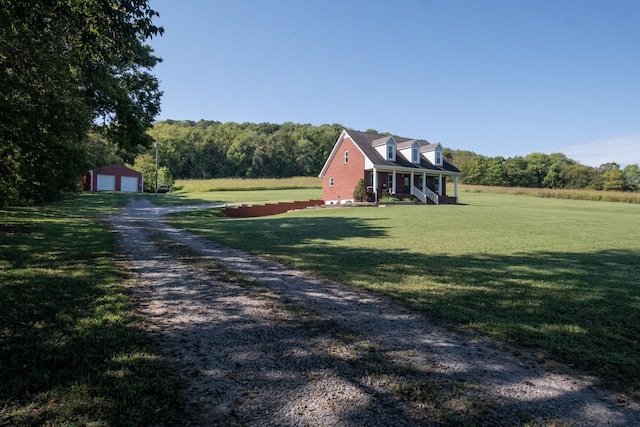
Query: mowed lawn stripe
pixel 558 276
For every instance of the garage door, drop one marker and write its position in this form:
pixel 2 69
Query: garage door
pixel 106 182
pixel 129 184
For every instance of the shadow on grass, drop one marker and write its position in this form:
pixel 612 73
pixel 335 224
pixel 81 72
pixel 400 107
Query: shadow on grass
pixel 70 350
pixel 232 345
pixel 175 199
pixel 581 309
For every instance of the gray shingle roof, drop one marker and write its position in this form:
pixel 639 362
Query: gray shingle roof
pixel 368 141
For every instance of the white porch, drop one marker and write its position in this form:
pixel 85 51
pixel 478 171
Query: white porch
pixel 428 187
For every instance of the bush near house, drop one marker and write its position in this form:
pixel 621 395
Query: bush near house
pixel 360 192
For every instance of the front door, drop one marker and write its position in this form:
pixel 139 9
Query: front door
pixel 407 190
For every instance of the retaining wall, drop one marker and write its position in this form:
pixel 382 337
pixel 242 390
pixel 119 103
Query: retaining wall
pixel 250 211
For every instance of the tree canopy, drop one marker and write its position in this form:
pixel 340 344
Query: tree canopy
pixel 210 149
pixel 66 67
pixel 540 170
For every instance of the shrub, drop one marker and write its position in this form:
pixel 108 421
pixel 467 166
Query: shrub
pixel 360 192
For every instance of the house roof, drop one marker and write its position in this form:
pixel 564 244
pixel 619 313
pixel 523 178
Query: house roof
pixel 367 142
pixel 115 167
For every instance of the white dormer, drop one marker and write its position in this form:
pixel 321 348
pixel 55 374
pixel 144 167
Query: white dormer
pixel 410 150
pixel 415 154
pixel 386 147
pixel 433 153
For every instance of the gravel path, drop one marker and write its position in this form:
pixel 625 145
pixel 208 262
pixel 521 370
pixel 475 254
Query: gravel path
pixel 261 344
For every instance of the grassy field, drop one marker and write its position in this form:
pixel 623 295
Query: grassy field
pixel 71 351
pixel 559 277
pixel 562 193
pixel 234 184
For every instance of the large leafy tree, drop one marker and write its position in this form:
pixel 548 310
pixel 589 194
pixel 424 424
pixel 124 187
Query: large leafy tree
pixel 612 176
pixel 631 177
pixel 67 66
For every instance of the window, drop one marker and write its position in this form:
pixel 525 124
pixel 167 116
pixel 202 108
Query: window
pixel 390 151
pixel 346 156
pixel 438 158
pixel 331 182
pixel 414 155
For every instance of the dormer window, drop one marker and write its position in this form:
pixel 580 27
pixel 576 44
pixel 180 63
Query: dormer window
pixel 415 155
pixel 438 158
pixel 386 146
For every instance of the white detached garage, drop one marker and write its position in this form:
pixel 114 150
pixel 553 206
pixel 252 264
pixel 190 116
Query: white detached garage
pixel 113 178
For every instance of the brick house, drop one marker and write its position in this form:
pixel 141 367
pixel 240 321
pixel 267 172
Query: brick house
pixel 389 165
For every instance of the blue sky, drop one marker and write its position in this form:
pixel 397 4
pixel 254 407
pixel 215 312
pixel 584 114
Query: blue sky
pixel 497 77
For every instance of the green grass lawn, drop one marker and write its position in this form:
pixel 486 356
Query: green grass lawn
pixel 560 277
pixel 71 350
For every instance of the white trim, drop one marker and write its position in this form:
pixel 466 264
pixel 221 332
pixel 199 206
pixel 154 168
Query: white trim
pixel 430 172
pixel 375 183
pixel 455 188
pixel 394 182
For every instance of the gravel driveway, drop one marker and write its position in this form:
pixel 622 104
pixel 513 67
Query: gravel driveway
pixel 259 344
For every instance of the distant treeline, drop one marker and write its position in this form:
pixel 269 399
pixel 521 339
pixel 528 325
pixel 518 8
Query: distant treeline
pixel 210 149
pixel 538 170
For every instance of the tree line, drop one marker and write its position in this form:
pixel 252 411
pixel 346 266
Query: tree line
pixel 538 170
pixel 72 73
pixel 211 149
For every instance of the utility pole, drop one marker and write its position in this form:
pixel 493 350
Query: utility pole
pixel 155 144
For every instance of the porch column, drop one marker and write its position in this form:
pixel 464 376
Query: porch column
pixel 440 185
pixel 375 185
pixel 393 183
pixel 412 183
pixel 455 188
pixel 424 183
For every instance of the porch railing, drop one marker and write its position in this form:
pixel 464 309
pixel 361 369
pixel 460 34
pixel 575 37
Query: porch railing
pixel 428 194
pixel 432 196
pixel 419 194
